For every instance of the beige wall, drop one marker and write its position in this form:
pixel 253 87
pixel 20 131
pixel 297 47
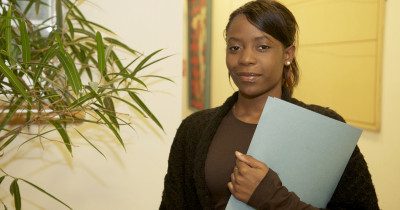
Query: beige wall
pixel 131 179
pixel 381 149
pixel 340 40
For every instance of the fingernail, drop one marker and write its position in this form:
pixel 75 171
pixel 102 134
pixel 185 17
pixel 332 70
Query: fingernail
pixel 239 153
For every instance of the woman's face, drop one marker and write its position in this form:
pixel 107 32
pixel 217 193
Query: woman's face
pixel 255 59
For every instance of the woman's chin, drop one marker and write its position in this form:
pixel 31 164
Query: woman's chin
pixel 254 93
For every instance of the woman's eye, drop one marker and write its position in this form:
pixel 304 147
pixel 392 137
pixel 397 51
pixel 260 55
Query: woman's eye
pixel 234 48
pixel 263 47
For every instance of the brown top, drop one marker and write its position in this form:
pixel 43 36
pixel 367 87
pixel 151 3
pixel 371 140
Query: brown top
pixel 232 135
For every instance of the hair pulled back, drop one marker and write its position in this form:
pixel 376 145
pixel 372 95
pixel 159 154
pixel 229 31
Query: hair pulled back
pixel 275 19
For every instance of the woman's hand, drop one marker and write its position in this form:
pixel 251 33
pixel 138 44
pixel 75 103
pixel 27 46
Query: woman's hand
pixel 247 174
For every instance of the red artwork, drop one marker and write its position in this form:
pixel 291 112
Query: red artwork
pixel 199 56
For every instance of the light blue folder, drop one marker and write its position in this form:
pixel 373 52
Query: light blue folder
pixel 307 150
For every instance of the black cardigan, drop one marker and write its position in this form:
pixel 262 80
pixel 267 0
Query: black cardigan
pixel 185 186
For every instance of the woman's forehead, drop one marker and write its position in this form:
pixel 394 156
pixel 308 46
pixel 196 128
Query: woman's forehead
pixel 241 28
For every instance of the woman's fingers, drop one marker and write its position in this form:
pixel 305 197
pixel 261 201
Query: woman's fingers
pixel 249 160
pixel 247 174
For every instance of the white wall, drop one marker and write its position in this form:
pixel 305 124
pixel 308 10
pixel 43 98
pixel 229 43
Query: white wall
pixel 131 179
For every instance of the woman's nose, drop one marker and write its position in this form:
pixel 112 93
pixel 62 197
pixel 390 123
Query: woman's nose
pixel 247 57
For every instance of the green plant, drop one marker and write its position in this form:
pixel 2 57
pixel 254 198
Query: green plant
pixel 56 77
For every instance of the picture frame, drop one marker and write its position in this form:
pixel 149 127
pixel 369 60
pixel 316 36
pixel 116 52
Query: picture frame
pixel 199 53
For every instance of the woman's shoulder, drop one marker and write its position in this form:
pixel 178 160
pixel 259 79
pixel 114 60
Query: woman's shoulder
pixel 200 116
pixel 317 108
pixel 216 113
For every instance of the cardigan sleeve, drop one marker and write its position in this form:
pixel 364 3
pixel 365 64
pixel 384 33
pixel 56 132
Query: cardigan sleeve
pixel 173 194
pixel 355 189
pixel 271 194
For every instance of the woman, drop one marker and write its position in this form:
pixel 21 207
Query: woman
pixel 207 161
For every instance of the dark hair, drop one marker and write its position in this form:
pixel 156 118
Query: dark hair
pixel 275 19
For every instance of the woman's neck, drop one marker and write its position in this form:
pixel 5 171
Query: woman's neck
pixel 249 109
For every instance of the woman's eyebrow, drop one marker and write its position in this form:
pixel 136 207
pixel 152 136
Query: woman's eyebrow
pixel 262 38
pixel 233 39
pixel 258 38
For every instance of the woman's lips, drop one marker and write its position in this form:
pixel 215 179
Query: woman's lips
pixel 247 76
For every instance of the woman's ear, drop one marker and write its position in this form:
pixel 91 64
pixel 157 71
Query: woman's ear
pixel 289 53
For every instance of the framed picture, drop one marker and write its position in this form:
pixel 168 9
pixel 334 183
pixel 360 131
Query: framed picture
pixel 199 26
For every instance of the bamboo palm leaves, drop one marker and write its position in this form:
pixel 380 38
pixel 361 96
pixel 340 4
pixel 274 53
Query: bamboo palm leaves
pixel 15 190
pixel 48 72
pixel 71 69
